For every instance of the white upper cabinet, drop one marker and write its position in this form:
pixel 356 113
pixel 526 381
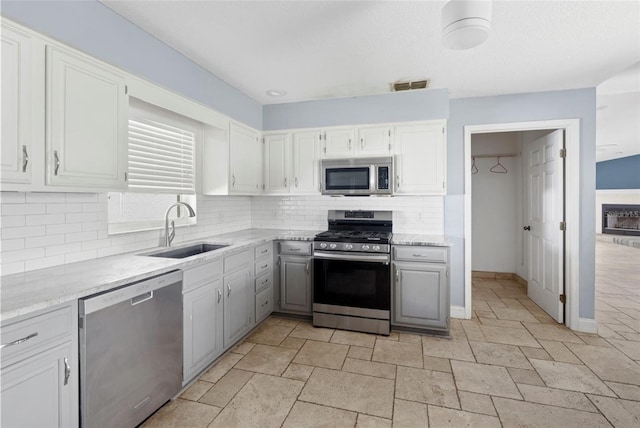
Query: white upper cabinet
pixel 306 164
pixel 339 142
pixel 374 141
pixel 362 141
pixel 245 172
pixel 276 163
pixel 420 162
pixel 291 163
pixel 86 111
pixel 17 122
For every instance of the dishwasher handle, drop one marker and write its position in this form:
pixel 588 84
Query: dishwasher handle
pixel 136 293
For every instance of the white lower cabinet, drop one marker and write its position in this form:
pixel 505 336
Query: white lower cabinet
pixel 420 289
pixel 40 371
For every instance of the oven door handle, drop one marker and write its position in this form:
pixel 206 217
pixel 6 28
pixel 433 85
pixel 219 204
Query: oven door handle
pixel 369 258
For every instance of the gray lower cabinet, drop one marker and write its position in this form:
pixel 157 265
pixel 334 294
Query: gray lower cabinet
pixel 239 301
pixel 295 284
pixel 39 380
pixel 420 291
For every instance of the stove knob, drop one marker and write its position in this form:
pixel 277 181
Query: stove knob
pixel 333 246
pixel 348 246
pixel 376 248
pixel 365 247
pixel 323 245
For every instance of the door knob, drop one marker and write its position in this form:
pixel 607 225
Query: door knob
pixel 527 228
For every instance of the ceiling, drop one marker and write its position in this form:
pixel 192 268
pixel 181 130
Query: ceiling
pixel 326 49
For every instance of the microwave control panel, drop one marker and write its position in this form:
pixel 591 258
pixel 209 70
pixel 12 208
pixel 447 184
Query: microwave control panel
pixel 383 178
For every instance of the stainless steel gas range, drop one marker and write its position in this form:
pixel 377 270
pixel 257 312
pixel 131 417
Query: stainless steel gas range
pixel 352 272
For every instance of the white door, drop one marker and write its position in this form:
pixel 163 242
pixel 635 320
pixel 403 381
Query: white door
pixel 86 122
pixel 374 140
pixel 545 212
pixel 339 143
pixel 305 165
pixel 276 163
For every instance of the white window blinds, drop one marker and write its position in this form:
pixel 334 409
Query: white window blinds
pixel 161 150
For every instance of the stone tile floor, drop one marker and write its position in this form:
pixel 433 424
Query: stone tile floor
pixel 510 365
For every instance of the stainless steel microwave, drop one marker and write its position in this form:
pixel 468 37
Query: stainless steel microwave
pixel 357 176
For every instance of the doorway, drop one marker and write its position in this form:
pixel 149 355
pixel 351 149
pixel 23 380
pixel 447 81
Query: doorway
pixel 570 128
pixel 517 207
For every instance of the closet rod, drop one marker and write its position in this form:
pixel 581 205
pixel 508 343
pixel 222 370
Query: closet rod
pixel 505 155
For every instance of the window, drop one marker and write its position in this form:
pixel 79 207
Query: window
pixel 161 159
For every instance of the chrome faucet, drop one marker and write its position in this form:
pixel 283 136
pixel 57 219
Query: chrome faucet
pixel 168 236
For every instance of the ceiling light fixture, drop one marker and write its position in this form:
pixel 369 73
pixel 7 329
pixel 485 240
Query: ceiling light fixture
pixel 276 92
pixel 465 23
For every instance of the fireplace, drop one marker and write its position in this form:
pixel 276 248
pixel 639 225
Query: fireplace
pixel 621 219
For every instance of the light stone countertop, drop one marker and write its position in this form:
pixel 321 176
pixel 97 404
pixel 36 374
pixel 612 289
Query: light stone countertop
pixel 417 239
pixel 28 292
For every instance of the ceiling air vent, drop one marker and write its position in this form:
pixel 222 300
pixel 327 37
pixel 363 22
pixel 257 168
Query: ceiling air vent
pixel 407 86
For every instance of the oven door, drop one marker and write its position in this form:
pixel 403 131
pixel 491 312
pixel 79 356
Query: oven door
pixel 352 280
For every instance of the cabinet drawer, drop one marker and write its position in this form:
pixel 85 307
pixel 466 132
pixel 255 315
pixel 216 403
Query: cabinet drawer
pixel 295 247
pixel 264 266
pixel 199 275
pixel 264 281
pixel 236 261
pixel 264 303
pixel 264 251
pixel 421 254
pixel 23 337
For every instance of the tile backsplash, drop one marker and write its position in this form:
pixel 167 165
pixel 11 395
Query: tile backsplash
pixel 40 230
pixel 411 214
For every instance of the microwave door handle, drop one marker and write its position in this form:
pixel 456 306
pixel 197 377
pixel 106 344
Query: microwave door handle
pixel 373 179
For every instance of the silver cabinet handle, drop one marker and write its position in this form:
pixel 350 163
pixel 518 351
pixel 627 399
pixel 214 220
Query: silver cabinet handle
pixel 19 341
pixel 362 143
pixel 419 255
pixel 398 181
pixel 264 251
pixel 57 162
pixel 25 158
pixel 285 182
pixel 67 370
pixel 397 276
pixel 233 180
pixel 265 266
pixel 228 290
pixel 296 180
pixel 306 268
pixel 349 143
pixel 219 295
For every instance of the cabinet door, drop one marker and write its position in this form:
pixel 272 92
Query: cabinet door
pixel 17 139
pixel 420 296
pixel 339 143
pixel 420 159
pixel 87 120
pixel 374 140
pixel 246 160
pixel 239 299
pixel 295 284
pixel 306 164
pixel 202 327
pixel 276 163
pixel 36 393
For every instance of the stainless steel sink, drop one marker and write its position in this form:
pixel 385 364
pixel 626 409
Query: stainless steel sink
pixel 191 250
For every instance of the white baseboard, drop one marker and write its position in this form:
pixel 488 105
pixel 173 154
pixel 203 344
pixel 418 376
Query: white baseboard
pixel 458 312
pixel 587 325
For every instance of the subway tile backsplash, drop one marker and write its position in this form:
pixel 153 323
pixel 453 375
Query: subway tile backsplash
pixel 40 230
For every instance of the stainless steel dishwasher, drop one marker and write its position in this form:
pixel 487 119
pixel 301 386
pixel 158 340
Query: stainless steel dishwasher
pixel 130 351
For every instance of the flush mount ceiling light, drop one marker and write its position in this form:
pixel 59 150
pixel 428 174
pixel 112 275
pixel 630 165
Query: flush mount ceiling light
pixel 465 23
pixel 276 92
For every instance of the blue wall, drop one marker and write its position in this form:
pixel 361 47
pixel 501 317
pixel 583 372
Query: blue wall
pixel 95 29
pixel 622 173
pixel 392 107
pixel 570 104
